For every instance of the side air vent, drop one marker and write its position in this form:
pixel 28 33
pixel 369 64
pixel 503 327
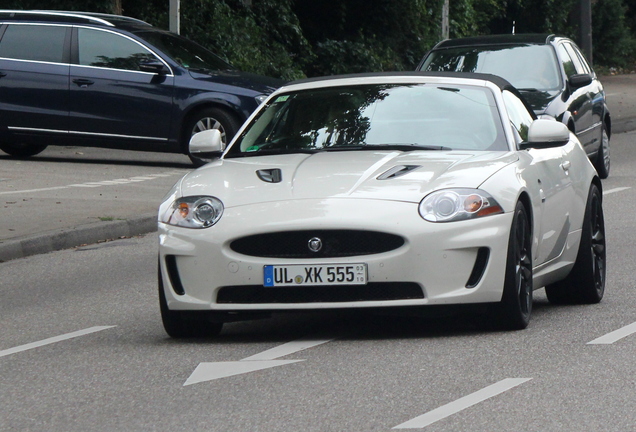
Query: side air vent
pixel 479 268
pixel 270 175
pixel 397 171
pixel 173 274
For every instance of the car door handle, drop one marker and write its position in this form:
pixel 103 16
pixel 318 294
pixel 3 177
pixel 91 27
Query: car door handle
pixel 566 165
pixel 83 83
pixel 2 74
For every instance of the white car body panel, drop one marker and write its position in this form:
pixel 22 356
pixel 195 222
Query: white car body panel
pixel 341 190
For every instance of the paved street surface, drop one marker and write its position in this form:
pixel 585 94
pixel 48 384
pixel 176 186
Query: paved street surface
pixel 82 349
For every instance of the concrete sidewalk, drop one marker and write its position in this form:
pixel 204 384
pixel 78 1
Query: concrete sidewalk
pixel 621 97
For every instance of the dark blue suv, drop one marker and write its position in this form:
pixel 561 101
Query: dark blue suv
pixel 75 78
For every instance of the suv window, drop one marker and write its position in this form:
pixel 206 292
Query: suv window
pixel 524 66
pixel 187 53
pixel 34 42
pixel 105 49
pixel 576 57
pixel 568 64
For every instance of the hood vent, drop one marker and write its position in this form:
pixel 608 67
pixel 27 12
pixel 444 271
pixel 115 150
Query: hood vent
pixel 273 175
pixel 397 171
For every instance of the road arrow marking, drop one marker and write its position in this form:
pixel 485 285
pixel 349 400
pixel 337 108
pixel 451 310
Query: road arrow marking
pixel 212 371
pixel 614 336
pixel 53 340
pixel 264 360
pixel 462 403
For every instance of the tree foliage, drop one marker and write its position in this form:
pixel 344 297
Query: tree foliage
pixel 296 38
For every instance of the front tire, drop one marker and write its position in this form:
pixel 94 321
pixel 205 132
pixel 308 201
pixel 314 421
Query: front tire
pixel 180 324
pixel 22 150
pixel 210 118
pixel 515 307
pixel 586 282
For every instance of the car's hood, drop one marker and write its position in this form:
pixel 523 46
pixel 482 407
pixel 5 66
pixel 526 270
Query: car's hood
pixel 259 83
pixel 353 174
pixel 539 100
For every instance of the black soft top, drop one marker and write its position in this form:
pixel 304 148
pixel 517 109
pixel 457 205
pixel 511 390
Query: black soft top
pixel 500 39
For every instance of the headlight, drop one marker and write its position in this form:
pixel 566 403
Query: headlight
pixel 193 212
pixel 458 204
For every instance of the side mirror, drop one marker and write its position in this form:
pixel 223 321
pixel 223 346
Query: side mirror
pixel 545 133
pixel 153 66
pixel 206 144
pixel 580 80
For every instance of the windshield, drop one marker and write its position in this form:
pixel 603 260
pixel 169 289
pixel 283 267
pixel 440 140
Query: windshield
pixel 185 52
pixel 530 67
pixel 367 117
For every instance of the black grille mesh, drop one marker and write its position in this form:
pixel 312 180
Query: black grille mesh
pixel 374 291
pixel 335 243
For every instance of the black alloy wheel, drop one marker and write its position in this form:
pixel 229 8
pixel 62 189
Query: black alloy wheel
pixel 586 282
pixel 515 307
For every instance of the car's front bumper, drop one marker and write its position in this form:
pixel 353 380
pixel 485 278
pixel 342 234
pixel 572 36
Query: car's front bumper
pixel 439 258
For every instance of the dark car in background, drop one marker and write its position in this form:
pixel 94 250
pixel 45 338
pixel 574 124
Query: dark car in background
pixel 549 71
pixel 76 78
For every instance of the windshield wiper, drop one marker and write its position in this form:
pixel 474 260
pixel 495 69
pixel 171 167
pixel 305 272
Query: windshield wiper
pixel 400 147
pixel 270 152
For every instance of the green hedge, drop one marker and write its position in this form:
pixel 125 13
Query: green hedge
pixel 297 38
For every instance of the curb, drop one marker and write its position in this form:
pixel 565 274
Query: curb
pixel 67 238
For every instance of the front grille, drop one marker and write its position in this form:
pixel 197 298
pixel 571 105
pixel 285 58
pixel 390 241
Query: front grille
pixel 335 243
pixel 374 291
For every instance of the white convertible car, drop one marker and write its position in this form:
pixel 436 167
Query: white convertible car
pixel 382 190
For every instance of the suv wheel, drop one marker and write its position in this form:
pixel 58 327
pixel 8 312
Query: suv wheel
pixel 602 162
pixel 22 150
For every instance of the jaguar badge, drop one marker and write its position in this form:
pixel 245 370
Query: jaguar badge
pixel 315 244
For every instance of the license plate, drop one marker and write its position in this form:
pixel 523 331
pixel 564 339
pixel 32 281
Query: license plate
pixel 324 274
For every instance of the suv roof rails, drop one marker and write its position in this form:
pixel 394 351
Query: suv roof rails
pixel 71 16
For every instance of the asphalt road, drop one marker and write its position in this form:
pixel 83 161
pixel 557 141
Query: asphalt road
pixel 88 353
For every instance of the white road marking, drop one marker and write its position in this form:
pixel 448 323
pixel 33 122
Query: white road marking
pixel 34 190
pixel 264 360
pixel 462 403
pixel 618 189
pixel 614 336
pixel 119 181
pixel 211 371
pixel 53 340
pixel 288 348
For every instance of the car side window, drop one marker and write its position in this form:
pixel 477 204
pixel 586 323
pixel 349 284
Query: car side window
pixel 579 63
pixel 43 43
pixel 566 61
pixel 519 116
pixel 109 50
pixel 575 59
